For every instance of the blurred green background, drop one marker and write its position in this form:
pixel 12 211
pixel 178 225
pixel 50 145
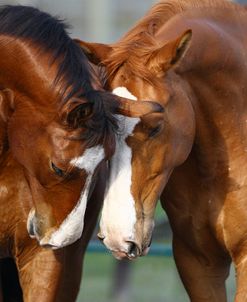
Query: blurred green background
pixel 152 279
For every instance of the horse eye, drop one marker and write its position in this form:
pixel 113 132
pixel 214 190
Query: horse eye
pixel 154 131
pixel 78 115
pixel 58 171
pixel 85 110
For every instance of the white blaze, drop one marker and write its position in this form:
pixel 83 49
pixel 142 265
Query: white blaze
pixel 71 228
pixel 119 215
pixel 124 92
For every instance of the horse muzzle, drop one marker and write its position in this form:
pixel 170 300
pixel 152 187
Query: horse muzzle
pixel 126 249
pixel 129 244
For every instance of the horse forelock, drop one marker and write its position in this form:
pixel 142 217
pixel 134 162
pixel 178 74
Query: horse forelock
pixel 132 54
pixel 102 125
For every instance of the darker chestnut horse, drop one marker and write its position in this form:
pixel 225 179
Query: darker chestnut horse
pixel 190 57
pixel 57 128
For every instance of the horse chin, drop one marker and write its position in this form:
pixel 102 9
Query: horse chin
pixel 123 255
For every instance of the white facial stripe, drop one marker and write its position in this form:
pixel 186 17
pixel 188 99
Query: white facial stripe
pixel 90 159
pixel 119 214
pixel 71 228
pixel 124 92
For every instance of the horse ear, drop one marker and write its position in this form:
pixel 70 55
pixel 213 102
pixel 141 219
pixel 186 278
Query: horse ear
pixel 132 108
pixel 169 54
pixel 76 113
pixel 96 52
pixel 6 109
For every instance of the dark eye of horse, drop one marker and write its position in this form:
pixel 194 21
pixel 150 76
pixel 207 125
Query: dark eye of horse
pixel 58 171
pixel 85 110
pixel 77 116
pixel 154 131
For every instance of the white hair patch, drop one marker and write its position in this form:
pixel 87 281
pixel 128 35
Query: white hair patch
pixel 119 215
pixel 124 92
pixel 71 228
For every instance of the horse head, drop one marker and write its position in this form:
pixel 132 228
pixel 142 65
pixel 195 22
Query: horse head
pixel 151 146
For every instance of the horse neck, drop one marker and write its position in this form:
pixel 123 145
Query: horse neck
pixel 164 10
pixel 24 68
pixel 213 69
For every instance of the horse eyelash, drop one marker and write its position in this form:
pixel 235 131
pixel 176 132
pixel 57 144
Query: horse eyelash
pixel 57 170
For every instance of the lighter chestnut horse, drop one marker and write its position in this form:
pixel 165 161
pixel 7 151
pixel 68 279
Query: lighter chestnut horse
pixel 57 128
pixel 191 58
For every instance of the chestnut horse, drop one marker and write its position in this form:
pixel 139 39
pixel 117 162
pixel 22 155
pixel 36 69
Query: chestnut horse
pixel 190 57
pixel 57 129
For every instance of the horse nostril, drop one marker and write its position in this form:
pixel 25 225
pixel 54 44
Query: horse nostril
pixel 133 251
pixel 30 229
pixel 30 224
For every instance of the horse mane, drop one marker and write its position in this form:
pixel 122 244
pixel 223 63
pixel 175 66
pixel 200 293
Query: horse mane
pixel 139 41
pixel 50 34
pixel 165 9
